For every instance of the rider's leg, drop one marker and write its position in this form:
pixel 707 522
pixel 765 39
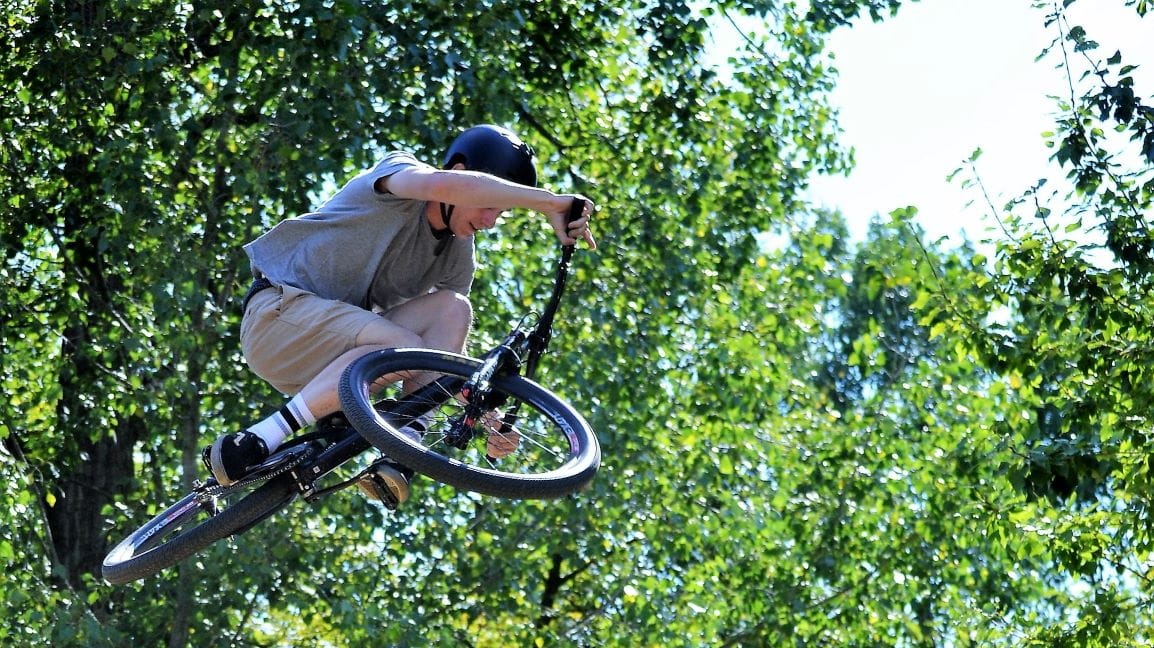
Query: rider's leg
pixel 437 320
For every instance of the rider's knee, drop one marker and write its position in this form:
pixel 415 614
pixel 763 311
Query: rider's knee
pixel 446 307
pixel 457 308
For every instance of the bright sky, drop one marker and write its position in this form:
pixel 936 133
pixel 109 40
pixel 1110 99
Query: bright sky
pixel 920 91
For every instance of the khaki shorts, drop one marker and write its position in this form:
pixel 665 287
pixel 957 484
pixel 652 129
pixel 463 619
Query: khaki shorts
pixel 289 335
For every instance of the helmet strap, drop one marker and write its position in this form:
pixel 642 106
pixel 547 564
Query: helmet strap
pixel 444 236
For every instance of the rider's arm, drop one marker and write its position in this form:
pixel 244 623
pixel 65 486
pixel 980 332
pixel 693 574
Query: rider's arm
pixel 466 189
pixel 474 189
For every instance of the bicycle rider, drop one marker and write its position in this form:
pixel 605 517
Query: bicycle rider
pixel 386 262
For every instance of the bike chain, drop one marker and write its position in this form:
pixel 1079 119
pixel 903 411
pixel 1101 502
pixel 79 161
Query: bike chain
pixel 214 491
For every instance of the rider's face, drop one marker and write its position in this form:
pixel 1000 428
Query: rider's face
pixel 467 221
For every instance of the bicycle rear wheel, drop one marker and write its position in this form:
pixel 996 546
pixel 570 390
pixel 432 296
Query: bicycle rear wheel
pixel 557 452
pixel 191 525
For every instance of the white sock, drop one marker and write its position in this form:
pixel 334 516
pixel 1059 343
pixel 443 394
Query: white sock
pixel 288 419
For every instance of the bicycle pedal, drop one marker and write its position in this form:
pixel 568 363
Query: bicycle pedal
pixel 373 488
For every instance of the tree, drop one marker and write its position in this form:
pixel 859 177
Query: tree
pixel 805 441
pixel 1069 281
pixel 153 138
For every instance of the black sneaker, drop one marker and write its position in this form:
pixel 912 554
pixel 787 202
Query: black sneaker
pixel 387 482
pixel 232 456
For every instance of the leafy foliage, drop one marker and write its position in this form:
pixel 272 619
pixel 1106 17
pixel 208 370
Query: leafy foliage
pixel 806 441
pixel 1069 283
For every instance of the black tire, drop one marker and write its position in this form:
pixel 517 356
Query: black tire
pixel 187 527
pixel 558 453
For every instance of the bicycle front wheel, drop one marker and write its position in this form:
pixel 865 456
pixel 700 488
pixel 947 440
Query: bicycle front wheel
pixel 191 525
pixel 555 452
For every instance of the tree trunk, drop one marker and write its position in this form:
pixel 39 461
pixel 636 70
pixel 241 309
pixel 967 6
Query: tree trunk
pixel 99 474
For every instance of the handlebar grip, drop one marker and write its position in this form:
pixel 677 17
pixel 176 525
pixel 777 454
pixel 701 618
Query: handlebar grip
pixel 576 209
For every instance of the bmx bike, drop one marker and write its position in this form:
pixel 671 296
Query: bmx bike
pixel 462 403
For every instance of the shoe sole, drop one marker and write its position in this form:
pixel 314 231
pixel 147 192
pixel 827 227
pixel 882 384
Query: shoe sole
pixel 217 467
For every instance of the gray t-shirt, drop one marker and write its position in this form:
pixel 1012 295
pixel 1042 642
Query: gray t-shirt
pixel 364 247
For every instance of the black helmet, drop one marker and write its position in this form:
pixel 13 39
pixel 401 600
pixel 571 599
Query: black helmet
pixel 495 150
